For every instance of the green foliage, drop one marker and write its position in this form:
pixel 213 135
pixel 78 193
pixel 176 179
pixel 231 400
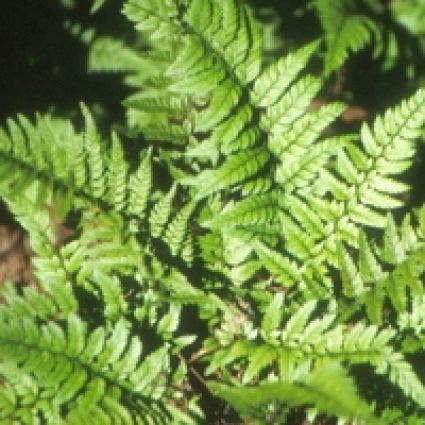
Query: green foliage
pixel 317 390
pixel 228 227
pixel 411 14
pixel 345 31
pixel 74 371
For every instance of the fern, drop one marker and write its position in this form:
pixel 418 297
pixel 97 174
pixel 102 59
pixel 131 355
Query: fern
pixel 293 348
pixel 402 251
pixel 345 31
pixel 239 210
pixel 77 374
pixel 318 390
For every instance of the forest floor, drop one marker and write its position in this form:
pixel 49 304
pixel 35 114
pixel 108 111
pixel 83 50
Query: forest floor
pixel 15 252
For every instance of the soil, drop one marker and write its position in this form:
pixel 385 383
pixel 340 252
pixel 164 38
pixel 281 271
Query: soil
pixel 15 252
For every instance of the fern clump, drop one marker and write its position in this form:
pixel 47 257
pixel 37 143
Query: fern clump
pixel 242 243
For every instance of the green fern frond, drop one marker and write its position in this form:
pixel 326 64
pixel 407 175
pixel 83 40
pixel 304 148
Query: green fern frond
pixel 353 181
pixel 31 303
pixel 94 155
pixel 235 169
pixel 161 213
pixel 220 52
pixel 257 186
pixel 227 131
pixel 302 340
pixel 176 232
pixel 318 390
pixel 51 158
pixel 402 375
pixel 389 271
pixel 292 105
pixel 270 86
pixel 245 140
pixel 75 372
pixel 156 101
pixel 112 294
pixel 299 171
pixel 117 175
pixel 140 185
pixel 279 266
pixel 173 133
pixel 345 31
pixel 112 55
pixel 63 165
pixel 260 209
pixel 305 131
pixel 155 17
pixel 272 319
pixel 351 281
pixel 54 280
pixel 71 367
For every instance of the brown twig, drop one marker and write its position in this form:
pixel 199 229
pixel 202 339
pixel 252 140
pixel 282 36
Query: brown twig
pixel 196 374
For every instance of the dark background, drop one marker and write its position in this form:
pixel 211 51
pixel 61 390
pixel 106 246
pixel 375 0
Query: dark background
pixel 43 66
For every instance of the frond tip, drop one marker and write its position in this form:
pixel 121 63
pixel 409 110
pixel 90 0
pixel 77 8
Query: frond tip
pixel 345 31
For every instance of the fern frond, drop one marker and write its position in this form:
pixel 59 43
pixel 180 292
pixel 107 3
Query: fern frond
pixel 302 339
pixel 117 175
pixel 156 101
pixel 272 319
pixel 111 54
pixel 402 375
pixel 140 186
pixel 264 239
pixel 161 213
pixel 261 209
pixel 172 133
pixel 279 266
pixel 257 186
pixel 31 303
pixel 154 17
pixel 63 165
pixel 318 390
pixel 245 140
pixel 177 229
pixel 353 183
pixel 70 368
pixel 220 53
pixel 227 131
pixel 54 280
pixel 235 169
pixel 221 103
pixel 351 281
pixel 273 82
pixel 112 294
pixel 76 370
pixel 345 31
pixel 299 171
pixel 291 105
pixel 390 271
pixel 305 131
pixel 94 155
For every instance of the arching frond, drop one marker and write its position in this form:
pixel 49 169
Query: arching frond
pixel 318 390
pixel 345 31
